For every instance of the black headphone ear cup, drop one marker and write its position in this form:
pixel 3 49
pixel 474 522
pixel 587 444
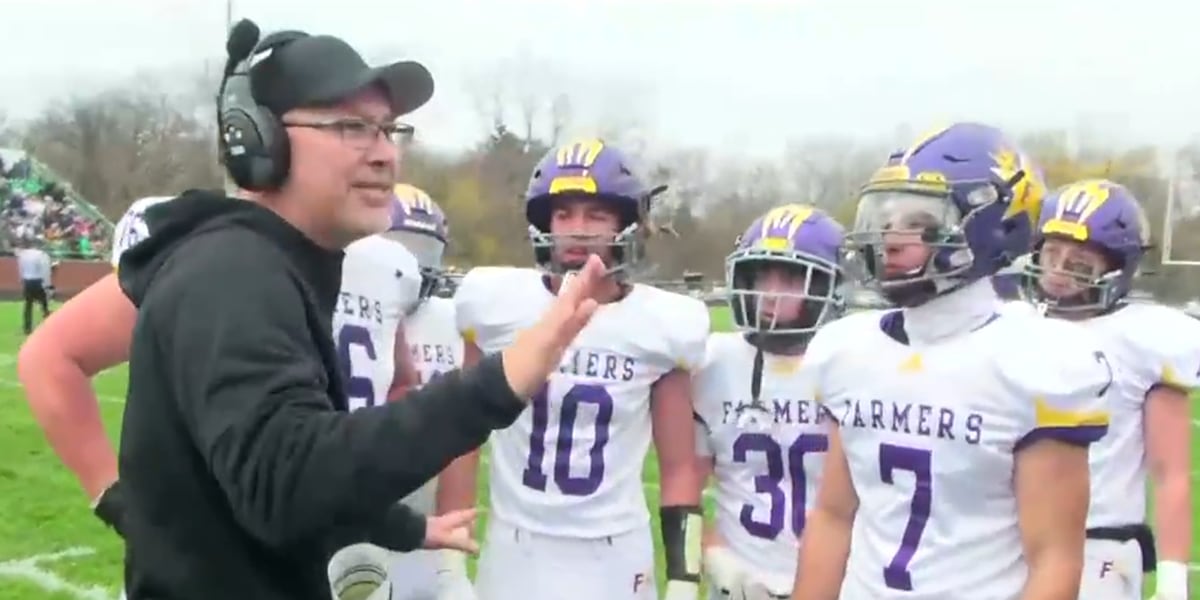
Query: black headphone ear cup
pixel 277 145
pixel 254 146
pixel 257 153
pixel 246 158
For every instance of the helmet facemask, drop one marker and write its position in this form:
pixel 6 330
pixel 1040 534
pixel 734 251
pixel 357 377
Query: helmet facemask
pixel 910 240
pixel 798 283
pixel 622 250
pixel 429 251
pixel 1074 280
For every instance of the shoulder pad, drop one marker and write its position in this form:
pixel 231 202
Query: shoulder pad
pixel 1061 374
pixel 1167 340
pixel 482 289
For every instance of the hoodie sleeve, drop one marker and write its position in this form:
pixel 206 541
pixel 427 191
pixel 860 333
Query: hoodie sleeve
pixel 240 353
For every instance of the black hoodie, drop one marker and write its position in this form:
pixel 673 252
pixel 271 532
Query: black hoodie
pixel 242 470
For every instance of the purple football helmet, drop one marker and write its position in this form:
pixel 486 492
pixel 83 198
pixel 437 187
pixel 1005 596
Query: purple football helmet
pixel 589 169
pixel 419 223
pixel 956 206
pixel 805 243
pixel 1096 214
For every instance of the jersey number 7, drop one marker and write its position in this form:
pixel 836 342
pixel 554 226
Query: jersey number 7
pixel 578 395
pixel 920 463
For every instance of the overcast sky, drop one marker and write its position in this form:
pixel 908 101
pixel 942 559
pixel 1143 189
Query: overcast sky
pixel 737 76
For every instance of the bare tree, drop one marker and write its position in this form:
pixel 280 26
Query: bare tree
pixel 120 145
pixel 829 171
pixel 10 132
pixel 560 117
pixel 487 90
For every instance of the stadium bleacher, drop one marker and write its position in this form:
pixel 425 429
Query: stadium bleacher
pixel 38 207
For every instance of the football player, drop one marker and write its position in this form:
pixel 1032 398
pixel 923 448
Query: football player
pixel 381 283
pixel 1091 241
pixel 88 334
pixel 435 347
pixel 1008 286
pixel 760 432
pixel 568 509
pixel 957 463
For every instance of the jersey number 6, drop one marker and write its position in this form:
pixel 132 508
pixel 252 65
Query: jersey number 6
pixel 579 394
pixel 769 483
pixel 359 390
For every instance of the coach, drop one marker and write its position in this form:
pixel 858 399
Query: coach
pixel 241 469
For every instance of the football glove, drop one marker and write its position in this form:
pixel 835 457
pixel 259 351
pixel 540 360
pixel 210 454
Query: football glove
pixel 452 580
pixel 681 590
pixel 109 507
pixel 757 590
pixel 1171 581
pixel 733 579
pixel 726 574
pixel 360 572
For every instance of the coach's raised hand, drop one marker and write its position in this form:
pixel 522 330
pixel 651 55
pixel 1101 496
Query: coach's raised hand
pixel 536 352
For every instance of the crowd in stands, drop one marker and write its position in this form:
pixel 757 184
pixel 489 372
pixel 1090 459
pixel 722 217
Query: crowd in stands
pixel 36 212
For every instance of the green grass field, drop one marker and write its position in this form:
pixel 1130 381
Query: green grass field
pixel 51 547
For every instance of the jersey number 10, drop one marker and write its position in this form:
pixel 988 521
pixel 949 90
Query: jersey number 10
pixel 534 476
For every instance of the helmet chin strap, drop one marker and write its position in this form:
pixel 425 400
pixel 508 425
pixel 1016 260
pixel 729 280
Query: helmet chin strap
pixel 754 414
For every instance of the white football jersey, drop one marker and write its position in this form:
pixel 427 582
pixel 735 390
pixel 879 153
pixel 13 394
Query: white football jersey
pixel 433 338
pixel 571 465
pixel 436 348
pixel 930 436
pixel 1019 307
pixel 765 476
pixel 131 229
pixel 380 282
pixel 1149 345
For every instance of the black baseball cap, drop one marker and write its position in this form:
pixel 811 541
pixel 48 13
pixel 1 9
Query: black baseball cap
pixel 320 70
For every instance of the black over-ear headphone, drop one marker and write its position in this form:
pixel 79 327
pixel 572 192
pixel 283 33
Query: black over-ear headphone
pixel 254 147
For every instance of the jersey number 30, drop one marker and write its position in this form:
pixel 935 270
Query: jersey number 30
pixel 580 394
pixel 769 483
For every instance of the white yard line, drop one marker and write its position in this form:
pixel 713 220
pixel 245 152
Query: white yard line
pixel 30 569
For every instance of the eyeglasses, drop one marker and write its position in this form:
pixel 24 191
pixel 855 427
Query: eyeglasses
pixel 361 133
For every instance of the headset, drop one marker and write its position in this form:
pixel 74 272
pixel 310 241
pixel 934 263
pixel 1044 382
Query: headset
pixel 253 145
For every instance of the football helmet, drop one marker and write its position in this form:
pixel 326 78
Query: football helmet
pixel 1097 214
pixel 805 243
pixel 595 170
pixel 421 226
pixel 957 205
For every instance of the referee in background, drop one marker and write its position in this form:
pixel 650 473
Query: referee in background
pixel 33 265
